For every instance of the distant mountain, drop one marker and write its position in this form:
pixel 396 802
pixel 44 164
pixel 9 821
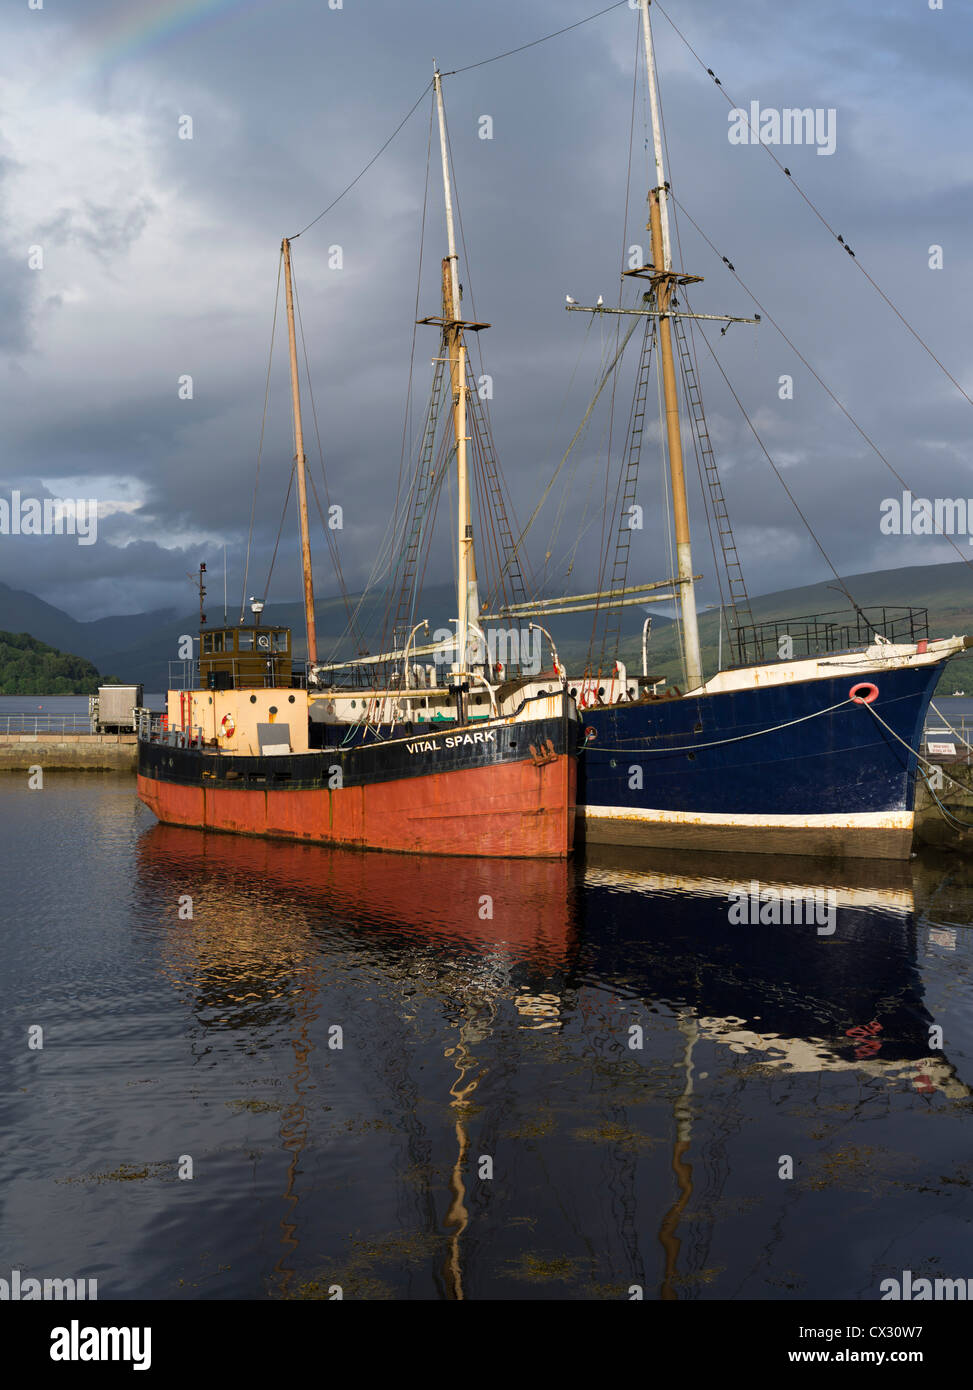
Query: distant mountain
pixel 140 647
pixel 97 640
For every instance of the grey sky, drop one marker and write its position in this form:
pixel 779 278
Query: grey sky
pixel 160 259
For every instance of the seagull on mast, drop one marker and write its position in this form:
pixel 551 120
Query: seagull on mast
pixel 569 300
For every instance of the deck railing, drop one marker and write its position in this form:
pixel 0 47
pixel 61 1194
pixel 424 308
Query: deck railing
pixel 819 634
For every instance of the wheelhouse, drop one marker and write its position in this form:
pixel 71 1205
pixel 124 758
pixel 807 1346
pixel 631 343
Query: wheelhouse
pixel 244 657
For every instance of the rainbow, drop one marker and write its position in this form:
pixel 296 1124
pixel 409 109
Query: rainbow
pixel 142 27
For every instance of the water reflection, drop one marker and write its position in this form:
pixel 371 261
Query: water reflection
pixel 546 1018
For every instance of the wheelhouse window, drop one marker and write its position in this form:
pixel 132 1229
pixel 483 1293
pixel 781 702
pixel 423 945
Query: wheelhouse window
pixel 217 641
pixel 207 643
pixel 281 641
pixel 244 640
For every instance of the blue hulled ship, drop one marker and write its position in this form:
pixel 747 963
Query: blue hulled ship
pixel 806 741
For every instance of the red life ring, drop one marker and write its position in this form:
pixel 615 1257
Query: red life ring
pixel 590 733
pixel 863 693
pixel 227 725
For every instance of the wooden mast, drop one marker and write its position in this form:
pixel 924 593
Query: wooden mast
pixel 466 587
pixel 663 282
pixel 312 641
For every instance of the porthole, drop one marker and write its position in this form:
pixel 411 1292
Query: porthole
pixel 253 699
pixel 273 709
pixel 290 699
pixel 354 704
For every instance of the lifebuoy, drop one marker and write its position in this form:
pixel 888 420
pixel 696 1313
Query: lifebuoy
pixel 590 733
pixel 863 693
pixel 227 725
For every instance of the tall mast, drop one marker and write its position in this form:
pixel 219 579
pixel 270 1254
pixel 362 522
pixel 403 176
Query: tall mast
pixel 663 282
pixel 466 587
pixel 312 640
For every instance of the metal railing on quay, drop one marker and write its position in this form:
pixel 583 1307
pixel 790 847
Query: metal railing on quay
pixel 32 723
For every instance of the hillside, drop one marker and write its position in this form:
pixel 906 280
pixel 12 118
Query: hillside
pixel 946 591
pixel 30 667
pixel 140 646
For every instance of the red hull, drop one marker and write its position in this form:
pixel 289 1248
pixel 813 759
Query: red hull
pixel 516 810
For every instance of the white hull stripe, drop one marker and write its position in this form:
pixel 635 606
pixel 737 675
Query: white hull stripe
pixel 858 820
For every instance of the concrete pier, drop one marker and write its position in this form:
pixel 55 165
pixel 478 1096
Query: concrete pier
pixel 114 752
pixel 956 794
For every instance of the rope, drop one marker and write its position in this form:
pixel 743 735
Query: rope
pixel 946 812
pixel 740 738
pixel 914 751
pixel 939 715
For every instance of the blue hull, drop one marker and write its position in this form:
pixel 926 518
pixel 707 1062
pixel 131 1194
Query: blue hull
pixel 735 771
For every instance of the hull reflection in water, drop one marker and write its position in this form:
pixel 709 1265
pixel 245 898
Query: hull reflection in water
pixel 835 994
pixel 488 1009
pixel 524 905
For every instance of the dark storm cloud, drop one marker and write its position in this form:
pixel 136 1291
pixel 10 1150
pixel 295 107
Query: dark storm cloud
pixel 106 231
pixel 285 115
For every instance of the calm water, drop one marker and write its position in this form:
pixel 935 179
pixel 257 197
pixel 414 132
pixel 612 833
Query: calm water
pixel 469 1045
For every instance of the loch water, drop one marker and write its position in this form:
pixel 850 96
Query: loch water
pixel 440 1079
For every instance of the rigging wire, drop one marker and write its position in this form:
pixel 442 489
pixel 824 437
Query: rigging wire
pixel 407 439
pixel 411 111
pixel 596 615
pixel 819 379
pixel 533 44
pixel 364 171
pixel 667 504
pixel 329 534
pixel 780 478
pixel 705 492
pixel 504 497
pixel 283 515
pixel 260 447
pixel 817 212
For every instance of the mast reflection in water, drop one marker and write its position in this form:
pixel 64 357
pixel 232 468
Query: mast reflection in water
pixel 489 1126
pixel 554 1080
